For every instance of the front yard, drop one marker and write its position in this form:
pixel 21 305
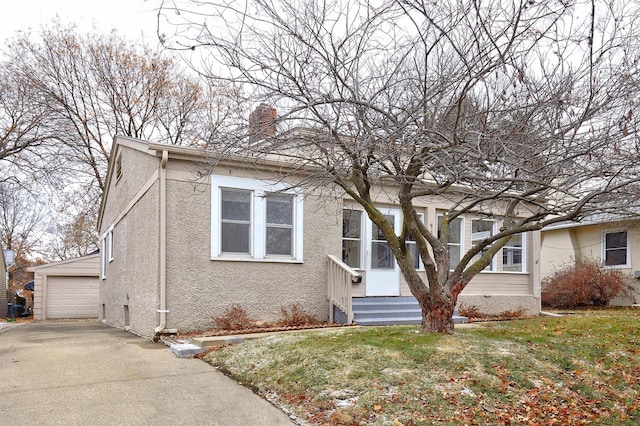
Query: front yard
pixel 578 369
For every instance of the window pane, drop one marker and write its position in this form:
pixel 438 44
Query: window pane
pixel 616 257
pixel 415 255
pixel 615 248
pixel 381 256
pixel 351 222
pixel 376 233
pixel 279 241
pixel 616 240
pixel 454 256
pixel 480 230
pixel 512 255
pixel 236 205
pixel 280 209
pixel 351 253
pixel 455 227
pixel 235 237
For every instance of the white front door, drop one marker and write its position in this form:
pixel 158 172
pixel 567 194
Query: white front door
pixel 382 273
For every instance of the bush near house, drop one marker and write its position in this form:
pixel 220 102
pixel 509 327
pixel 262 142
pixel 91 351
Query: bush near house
pixel 235 317
pixel 585 283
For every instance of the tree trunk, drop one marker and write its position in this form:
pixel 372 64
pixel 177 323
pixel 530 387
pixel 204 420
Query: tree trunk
pixel 438 318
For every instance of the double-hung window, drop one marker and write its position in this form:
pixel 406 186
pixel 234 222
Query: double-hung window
pixel 615 247
pixel 413 247
pixel 481 230
pixel 352 238
pixel 455 240
pixel 513 254
pixel 280 208
pixel 255 220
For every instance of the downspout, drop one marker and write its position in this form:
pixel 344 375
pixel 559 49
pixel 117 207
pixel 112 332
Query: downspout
pixel 162 310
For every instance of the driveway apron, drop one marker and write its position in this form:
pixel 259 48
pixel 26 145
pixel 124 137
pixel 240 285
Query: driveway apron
pixel 87 373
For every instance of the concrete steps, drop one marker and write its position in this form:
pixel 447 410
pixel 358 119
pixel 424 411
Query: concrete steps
pixel 390 311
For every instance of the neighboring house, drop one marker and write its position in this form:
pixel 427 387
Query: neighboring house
pixel 178 250
pixel 67 289
pixel 612 240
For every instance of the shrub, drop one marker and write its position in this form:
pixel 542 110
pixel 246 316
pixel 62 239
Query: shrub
pixel 297 317
pixel 586 283
pixel 470 311
pixel 512 313
pixel 234 318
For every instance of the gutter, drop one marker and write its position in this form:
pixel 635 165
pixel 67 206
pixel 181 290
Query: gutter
pixel 162 310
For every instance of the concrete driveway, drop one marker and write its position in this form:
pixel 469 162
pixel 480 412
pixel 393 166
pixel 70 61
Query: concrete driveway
pixel 88 373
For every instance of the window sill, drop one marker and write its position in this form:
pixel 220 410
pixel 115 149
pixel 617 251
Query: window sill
pixel 626 266
pixel 251 259
pixel 505 272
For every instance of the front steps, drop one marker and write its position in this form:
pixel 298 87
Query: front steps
pixel 390 311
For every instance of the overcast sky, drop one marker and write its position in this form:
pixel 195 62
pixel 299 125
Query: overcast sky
pixel 133 19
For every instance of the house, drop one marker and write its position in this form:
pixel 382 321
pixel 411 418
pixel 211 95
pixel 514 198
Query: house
pixel 67 289
pixel 611 239
pixel 179 246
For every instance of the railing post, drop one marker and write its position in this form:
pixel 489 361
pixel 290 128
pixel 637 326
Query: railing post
pixel 340 280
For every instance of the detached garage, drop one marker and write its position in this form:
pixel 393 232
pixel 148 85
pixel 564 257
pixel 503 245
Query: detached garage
pixel 67 289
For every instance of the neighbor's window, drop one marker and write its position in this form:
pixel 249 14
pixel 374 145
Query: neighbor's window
pixel 513 254
pixel 615 248
pixel 255 220
pixel 352 237
pixel 480 230
pixel 455 240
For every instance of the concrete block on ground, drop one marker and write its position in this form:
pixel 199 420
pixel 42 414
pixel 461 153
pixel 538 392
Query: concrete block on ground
pixel 184 350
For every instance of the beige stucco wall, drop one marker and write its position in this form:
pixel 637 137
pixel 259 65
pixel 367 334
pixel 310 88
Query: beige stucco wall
pixel 199 288
pixel 563 246
pixel 131 282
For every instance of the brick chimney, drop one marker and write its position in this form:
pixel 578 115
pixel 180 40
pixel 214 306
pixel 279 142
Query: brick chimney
pixel 262 122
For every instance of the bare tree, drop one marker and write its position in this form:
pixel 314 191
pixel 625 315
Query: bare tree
pixel 521 111
pixel 21 220
pixel 21 119
pixel 65 95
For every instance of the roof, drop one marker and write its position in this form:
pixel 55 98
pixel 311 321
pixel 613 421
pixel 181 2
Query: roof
pixel 597 219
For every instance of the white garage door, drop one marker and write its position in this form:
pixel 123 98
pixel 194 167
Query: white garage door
pixel 72 297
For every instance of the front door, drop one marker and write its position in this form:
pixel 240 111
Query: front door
pixel 383 277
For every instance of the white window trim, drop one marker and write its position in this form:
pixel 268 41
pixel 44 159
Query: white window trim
pixel 103 258
pixel 462 235
pixel 363 218
pixel 493 264
pixel 110 246
pixel 420 263
pixel 257 238
pixel 627 264
pixel 525 264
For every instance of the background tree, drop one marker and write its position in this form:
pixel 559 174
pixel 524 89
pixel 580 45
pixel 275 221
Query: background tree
pixel 66 95
pixel 22 119
pixel 520 111
pixel 22 223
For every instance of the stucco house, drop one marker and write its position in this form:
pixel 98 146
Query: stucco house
pixel 179 248
pixel 613 240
